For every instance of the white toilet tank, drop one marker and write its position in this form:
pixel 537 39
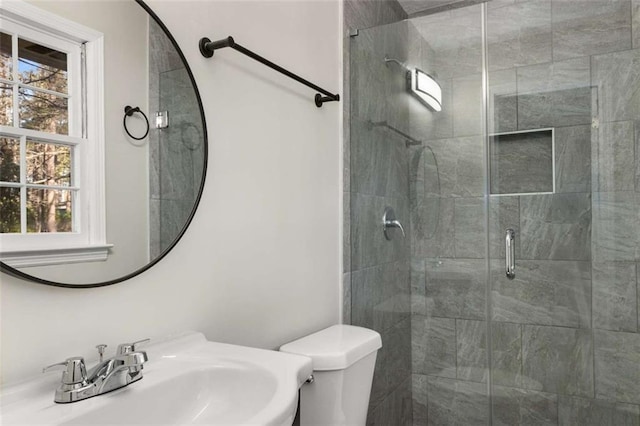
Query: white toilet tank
pixel 344 357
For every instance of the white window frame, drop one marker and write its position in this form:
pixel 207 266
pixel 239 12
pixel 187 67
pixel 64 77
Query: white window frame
pixel 88 241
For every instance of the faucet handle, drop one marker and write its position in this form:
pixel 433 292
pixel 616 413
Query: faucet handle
pixel 126 348
pixel 74 368
pixel 100 349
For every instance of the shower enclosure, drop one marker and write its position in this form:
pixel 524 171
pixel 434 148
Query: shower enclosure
pixel 538 134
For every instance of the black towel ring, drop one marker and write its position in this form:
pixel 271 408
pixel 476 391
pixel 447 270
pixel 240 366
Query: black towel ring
pixel 128 112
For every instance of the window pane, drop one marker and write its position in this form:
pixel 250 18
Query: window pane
pixel 48 164
pixel 9 160
pixel 6 64
pixel 6 105
pixel 48 210
pixel 44 112
pixel 41 66
pixel 9 210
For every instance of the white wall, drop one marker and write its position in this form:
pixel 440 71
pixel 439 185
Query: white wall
pixel 260 264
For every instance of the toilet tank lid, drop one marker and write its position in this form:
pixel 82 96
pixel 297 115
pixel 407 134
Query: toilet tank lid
pixel 336 347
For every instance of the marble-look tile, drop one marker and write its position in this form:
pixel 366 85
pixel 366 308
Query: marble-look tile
pixel 617 366
pixel 573 159
pixel 346 298
pixel 519 34
pixel 154 228
pixel 456 39
pixel 162 55
pixel 521 162
pixel 460 166
pixel 554 76
pixel 615 296
pixel 636 126
pixel 418 287
pixel 613 157
pixel 512 406
pixel 367 74
pixel 503 101
pixel 456 288
pixel 471 343
pixel 556 226
pixel 469 228
pixel 381 295
pixel 594 412
pixel 506 355
pixel 432 228
pixel 173 217
pixel 419 396
pixel 416 175
pixel 420 6
pixel 379 164
pixel 433 342
pixel 181 144
pixel 365 14
pixel 616 220
pixel 566 107
pixel 504 213
pixel 369 247
pixel 455 402
pixel 558 360
pixel 346 231
pixel 613 74
pixel 424 178
pixel 393 362
pixel 543 293
pixel 467 105
pixel 554 94
pixel 601 26
pixel 635 23
pixel 396 409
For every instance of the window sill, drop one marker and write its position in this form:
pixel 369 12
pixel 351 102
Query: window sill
pixel 26 258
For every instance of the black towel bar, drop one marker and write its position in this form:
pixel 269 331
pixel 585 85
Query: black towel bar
pixel 208 47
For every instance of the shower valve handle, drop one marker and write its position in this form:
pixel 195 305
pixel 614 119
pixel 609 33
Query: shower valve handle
pixel 389 221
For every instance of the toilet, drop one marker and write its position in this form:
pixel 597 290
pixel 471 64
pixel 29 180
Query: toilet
pixel 344 357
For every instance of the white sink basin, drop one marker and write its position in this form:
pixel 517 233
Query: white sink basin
pixel 187 380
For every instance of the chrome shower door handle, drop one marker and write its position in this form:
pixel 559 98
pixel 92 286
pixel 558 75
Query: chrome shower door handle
pixel 510 253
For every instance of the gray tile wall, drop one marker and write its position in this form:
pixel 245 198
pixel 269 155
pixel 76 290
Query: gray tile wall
pixel 377 279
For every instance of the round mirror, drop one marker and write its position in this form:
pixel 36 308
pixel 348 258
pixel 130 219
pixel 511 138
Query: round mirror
pixel 152 183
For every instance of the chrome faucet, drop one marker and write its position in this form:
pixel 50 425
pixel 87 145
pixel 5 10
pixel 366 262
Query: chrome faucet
pixel 110 374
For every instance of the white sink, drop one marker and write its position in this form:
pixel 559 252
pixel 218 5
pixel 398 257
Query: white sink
pixel 187 380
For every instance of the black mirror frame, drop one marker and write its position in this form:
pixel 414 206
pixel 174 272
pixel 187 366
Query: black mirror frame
pixel 16 273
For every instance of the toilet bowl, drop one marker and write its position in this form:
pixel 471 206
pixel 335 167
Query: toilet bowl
pixel 344 358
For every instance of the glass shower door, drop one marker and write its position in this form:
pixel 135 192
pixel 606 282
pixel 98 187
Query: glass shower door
pixel 563 173
pixel 426 293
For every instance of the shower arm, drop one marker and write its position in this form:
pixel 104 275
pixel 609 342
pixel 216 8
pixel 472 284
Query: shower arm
pixel 397 131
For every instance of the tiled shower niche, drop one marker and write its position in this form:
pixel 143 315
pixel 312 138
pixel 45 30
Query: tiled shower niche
pixel 522 162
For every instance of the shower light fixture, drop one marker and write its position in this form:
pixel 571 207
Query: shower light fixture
pixel 425 88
